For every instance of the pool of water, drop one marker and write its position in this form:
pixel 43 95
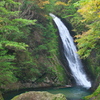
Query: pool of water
pixel 71 93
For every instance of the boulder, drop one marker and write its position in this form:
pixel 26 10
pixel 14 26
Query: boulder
pixel 33 95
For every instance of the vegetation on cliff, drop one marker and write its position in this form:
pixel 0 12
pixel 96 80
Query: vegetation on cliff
pixel 1 97
pixel 89 40
pixel 94 96
pixel 29 49
pixel 13 30
pixel 28 43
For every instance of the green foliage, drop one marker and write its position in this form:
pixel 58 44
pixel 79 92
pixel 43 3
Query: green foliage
pixel 71 15
pixel 95 95
pixel 89 39
pixel 93 61
pixel 6 67
pixel 48 48
pixel 16 30
pixel 49 40
pixel 8 61
pixel 53 50
pixel 14 45
pixel 49 5
pixel 1 97
pixel 13 29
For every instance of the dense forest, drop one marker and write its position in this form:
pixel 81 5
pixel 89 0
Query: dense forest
pixel 29 43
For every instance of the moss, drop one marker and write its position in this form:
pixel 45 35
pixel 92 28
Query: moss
pixel 1 97
pixel 95 95
pixel 39 96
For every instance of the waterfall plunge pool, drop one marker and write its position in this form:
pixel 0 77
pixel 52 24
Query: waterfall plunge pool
pixel 71 93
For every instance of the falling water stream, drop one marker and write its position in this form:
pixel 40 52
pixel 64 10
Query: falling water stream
pixel 70 53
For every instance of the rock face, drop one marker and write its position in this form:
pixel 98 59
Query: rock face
pixel 39 96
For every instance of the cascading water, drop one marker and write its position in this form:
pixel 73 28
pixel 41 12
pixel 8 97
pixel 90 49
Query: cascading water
pixel 71 55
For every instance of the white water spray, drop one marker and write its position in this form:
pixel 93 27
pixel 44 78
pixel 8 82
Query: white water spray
pixel 71 55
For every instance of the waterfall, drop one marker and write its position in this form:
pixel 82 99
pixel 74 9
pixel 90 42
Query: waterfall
pixel 70 53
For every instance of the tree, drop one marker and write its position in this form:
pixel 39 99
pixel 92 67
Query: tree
pixel 89 40
pixel 13 29
pixel 6 67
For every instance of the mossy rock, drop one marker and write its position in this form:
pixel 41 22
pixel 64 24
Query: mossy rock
pixel 95 95
pixel 32 95
pixel 1 97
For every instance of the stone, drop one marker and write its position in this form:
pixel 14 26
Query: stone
pixel 33 95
